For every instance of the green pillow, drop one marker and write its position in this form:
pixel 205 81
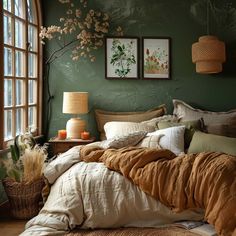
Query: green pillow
pixel 190 127
pixel 203 142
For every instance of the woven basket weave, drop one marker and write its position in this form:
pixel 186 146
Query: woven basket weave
pixel 208 54
pixel 23 197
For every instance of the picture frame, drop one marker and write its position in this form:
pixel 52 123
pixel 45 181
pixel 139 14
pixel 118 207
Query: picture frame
pixel 156 55
pixel 122 58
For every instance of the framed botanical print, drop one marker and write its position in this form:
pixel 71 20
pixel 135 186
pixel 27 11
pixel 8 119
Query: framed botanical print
pixel 122 58
pixel 156 58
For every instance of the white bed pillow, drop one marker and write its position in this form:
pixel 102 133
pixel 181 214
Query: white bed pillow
pixel 170 138
pixel 116 128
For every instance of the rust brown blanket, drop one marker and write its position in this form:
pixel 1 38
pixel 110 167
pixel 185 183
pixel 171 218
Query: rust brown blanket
pixel 205 180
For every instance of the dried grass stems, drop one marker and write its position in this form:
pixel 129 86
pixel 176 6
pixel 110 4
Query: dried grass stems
pixel 33 163
pixel 29 166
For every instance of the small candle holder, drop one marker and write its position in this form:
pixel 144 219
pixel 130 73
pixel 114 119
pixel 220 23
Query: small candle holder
pixel 85 135
pixel 61 134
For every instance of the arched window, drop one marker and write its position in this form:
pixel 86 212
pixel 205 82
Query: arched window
pixel 20 69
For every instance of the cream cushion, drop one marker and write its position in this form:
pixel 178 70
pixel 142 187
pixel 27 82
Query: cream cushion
pixel 220 123
pixel 151 142
pixel 116 128
pixel 170 138
pixel 102 117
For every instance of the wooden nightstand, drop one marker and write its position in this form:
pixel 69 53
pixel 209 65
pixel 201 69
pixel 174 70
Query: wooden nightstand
pixel 59 145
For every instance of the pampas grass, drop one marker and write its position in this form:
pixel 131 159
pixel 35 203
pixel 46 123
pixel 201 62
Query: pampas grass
pixel 33 163
pixel 29 167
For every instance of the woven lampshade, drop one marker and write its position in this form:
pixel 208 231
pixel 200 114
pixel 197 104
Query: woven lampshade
pixel 208 54
pixel 75 103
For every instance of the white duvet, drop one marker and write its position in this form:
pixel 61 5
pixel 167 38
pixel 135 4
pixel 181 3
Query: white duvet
pixel 89 195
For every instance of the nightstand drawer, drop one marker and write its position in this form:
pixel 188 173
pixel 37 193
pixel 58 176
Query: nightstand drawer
pixel 60 146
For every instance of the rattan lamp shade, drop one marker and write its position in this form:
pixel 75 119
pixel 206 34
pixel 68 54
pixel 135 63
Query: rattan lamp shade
pixel 75 103
pixel 208 54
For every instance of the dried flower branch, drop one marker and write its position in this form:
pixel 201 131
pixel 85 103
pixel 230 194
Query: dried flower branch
pixel 81 27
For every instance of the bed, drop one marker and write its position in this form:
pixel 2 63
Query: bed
pixel 113 186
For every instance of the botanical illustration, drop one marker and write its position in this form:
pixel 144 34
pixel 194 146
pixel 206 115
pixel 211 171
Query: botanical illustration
pixel 122 57
pixel 156 62
pixel 156 58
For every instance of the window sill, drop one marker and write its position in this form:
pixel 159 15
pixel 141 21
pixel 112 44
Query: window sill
pixel 6 150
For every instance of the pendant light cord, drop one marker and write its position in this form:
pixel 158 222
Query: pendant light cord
pixel 208 19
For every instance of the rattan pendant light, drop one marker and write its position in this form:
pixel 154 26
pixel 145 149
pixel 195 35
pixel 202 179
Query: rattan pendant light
pixel 209 52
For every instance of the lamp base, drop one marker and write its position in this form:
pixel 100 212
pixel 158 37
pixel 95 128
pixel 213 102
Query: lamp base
pixel 74 127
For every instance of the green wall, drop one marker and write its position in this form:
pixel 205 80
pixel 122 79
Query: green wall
pixel 170 18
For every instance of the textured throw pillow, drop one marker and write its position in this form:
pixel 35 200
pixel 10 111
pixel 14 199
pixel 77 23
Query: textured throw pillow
pixel 203 142
pixel 221 123
pixel 102 117
pixel 114 128
pixel 170 138
pixel 151 141
pixel 123 141
pixel 154 122
pixel 190 127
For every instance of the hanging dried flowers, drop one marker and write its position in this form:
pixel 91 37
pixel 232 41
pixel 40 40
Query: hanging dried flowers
pixel 82 31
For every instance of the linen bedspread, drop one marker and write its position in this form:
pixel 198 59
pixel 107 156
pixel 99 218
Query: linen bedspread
pixel 89 195
pixel 190 181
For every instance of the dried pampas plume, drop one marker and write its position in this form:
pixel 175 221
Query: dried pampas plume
pixel 33 163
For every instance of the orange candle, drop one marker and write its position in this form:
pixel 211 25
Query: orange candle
pixel 61 134
pixel 85 135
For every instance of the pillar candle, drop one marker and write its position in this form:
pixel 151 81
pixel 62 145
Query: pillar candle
pixel 85 135
pixel 62 134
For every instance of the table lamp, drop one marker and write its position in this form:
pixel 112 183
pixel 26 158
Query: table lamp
pixel 75 103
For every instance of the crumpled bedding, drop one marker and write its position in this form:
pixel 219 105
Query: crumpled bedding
pixel 190 181
pixel 89 195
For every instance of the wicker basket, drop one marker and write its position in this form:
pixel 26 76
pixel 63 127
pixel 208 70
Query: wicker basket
pixel 23 197
pixel 208 54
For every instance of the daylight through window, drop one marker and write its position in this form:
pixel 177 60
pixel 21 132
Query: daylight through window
pixel 21 68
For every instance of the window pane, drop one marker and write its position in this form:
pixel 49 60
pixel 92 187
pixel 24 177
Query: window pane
pixel 31 11
pixel 19 121
pixel 19 64
pixel 19 9
pixel 7 5
pixel 32 37
pixel 7 124
pixel 7 61
pixel 19 92
pixel 19 36
pixel 7 92
pixel 7 30
pixel 32 117
pixel 32 91
pixel 32 65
